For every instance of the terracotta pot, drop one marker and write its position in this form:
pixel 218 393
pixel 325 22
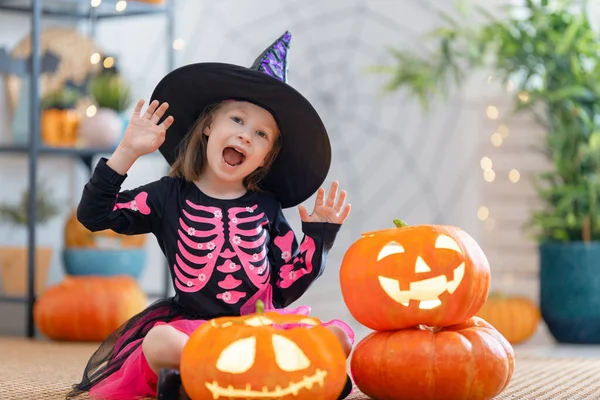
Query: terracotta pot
pixel 13 269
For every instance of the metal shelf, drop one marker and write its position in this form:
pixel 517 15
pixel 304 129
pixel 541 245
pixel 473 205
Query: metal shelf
pixel 77 9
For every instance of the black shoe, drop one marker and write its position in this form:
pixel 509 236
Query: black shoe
pixel 169 386
pixel 347 388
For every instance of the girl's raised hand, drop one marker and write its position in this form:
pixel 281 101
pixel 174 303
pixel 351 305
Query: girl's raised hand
pixel 143 134
pixel 328 210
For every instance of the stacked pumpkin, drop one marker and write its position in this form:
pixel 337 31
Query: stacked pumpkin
pixel 419 288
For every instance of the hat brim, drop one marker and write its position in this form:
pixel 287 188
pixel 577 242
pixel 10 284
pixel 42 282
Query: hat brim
pixel 305 156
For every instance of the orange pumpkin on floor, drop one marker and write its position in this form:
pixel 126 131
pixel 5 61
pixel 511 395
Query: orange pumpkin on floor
pixel 88 308
pixel 471 360
pixel 409 275
pixel 259 356
pixel 515 317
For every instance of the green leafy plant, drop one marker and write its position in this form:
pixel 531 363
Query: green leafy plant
pixel 62 98
pixel 550 54
pixel 46 208
pixel 110 90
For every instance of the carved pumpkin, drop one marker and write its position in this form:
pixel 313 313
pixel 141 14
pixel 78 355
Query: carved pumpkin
pixel 409 275
pixel 515 317
pixel 471 360
pixel 262 356
pixel 78 236
pixel 88 308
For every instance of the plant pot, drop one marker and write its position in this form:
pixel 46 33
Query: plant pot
pixel 13 270
pixel 570 291
pixel 81 261
pixel 104 129
pixel 59 127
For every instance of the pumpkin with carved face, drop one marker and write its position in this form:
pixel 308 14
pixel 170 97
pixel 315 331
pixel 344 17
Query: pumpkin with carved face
pixel 406 276
pixel 263 356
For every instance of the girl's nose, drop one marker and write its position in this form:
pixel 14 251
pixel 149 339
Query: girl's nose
pixel 244 136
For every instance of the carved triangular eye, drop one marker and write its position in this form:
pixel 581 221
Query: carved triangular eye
pixel 288 356
pixel 389 249
pixel 238 357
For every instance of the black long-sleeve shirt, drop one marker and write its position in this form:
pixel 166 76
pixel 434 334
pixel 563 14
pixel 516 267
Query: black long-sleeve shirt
pixel 223 255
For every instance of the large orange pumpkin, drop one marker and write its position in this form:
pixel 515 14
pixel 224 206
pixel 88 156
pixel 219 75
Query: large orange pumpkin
pixel 410 275
pixel 471 360
pixel 260 356
pixel 515 317
pixel 88 308
pixel 78 236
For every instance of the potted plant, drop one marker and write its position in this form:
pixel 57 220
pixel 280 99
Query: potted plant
pixel 13 259
pixel 551 54
pixel 112 96
pixel 59 117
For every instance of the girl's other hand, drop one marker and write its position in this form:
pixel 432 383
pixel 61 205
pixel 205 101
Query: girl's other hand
pixel 143 134
pixel 328 210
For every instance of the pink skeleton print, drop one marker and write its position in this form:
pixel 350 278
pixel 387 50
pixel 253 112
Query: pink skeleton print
pixel 249 243
pixel 287 272
pixel 194 271
pixel 137 204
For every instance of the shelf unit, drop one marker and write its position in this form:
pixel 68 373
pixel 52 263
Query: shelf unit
pixel 81 11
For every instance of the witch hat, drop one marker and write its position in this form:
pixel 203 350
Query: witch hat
pixel 305 156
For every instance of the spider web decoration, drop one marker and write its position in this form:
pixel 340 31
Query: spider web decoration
pixel 395 160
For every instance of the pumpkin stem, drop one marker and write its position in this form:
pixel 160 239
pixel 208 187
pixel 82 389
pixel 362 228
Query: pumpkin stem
pixel 399 223
pixel 260 307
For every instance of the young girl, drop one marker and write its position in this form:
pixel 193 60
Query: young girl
pixel 242 145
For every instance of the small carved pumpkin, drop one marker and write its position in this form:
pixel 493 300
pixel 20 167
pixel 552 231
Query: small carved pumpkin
pixel 515 317
pixel 471 360
pixel 88 308
pixel 263 356
pixel 410 275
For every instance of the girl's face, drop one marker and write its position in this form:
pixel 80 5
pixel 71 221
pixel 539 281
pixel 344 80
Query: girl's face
pixel 241 135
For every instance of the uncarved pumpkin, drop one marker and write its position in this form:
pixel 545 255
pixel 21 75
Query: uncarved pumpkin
pixel 471 360
pixel 515 317
pixel 263 355
pixel 402 277
pixel 88 308
pixel 78 236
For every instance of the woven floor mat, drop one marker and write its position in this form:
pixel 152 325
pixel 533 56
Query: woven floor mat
pixel 40 370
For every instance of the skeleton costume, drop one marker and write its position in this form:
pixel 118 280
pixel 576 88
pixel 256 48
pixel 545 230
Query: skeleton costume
pixel 223 255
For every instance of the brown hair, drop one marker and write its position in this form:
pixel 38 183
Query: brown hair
pixel 191 161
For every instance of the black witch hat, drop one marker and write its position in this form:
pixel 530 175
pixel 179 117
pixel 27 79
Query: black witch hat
pixel 305 156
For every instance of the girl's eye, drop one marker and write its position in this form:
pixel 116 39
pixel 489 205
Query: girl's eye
pixel 236 119
pixel 262 134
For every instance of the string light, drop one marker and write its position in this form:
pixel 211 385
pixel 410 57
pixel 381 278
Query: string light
pixel 121 5
pixel 489 175
pixel 492 112
pixel 95 58
pixel 108 62
pixel 523 96
pixel 95 3
pixel 486 163
pixel 90 111
pixel 483 213
pixel 502 130
pixel 514 175
pixel 178 44
pixel 496 139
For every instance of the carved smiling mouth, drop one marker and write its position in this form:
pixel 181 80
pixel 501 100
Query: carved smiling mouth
pixel 248 393
pixel 426 291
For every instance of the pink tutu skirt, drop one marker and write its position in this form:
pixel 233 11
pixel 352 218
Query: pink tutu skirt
pixel 134 379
